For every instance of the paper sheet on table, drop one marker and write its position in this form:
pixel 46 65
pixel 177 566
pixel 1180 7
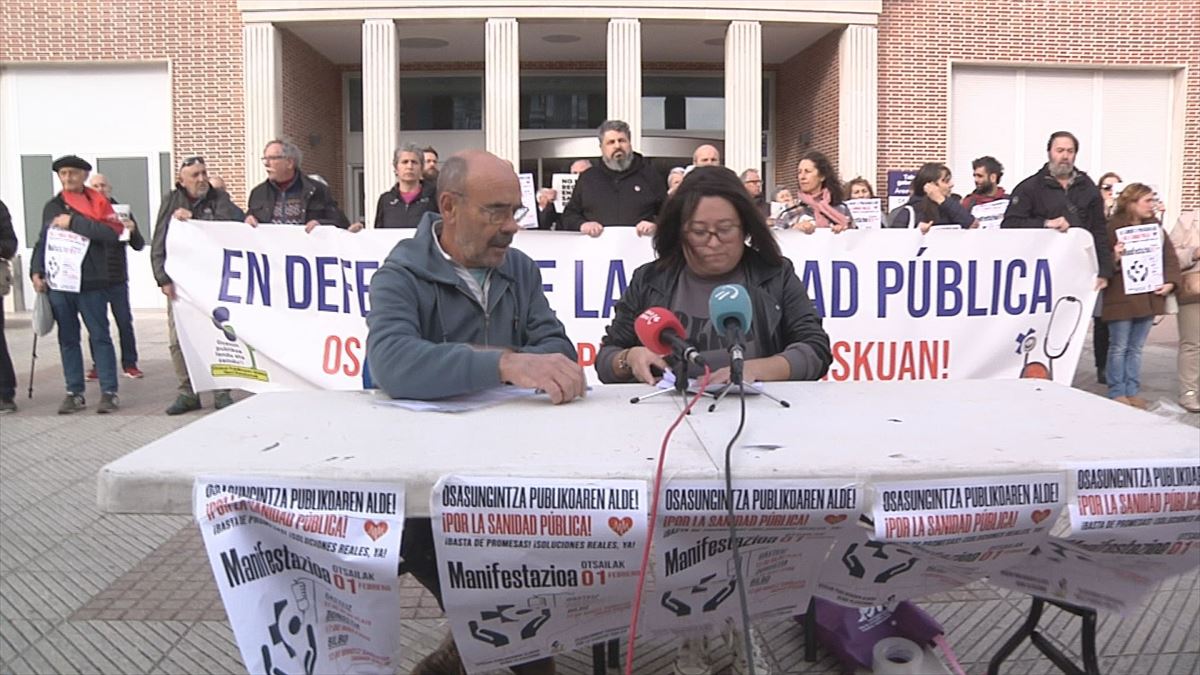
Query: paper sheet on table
pixel 466 403
pixel 714 390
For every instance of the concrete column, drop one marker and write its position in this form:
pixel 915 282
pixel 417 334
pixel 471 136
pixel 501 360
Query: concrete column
pixel 262 66
pixel 858 103
pixel 625 76
pixel 743 96
pixel 381 109
pixel 502 89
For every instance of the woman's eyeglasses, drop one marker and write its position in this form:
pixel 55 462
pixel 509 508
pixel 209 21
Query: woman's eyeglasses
pixel 725 235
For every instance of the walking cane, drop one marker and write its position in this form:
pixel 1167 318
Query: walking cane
pixel 32 361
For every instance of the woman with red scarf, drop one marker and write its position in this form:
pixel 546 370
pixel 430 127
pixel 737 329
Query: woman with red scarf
pixel 819 201
pixel 88 213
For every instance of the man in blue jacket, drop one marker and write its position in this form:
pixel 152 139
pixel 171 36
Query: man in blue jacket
pixel 456 310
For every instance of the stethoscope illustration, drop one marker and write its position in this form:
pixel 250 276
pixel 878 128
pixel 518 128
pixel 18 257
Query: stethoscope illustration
pixel 1037 370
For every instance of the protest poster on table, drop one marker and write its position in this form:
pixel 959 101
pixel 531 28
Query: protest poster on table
pixel 784 529
pixel 933 535
pixel 306 570
pixel 531 568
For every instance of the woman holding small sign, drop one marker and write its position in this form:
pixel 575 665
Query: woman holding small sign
pixel 1146 271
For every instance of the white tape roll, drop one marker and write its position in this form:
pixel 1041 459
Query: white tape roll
pixel 897 656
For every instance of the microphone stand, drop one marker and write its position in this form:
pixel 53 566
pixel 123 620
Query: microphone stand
pixel 681 377
pixel 736 365
pixel 680 368
pixel 725 391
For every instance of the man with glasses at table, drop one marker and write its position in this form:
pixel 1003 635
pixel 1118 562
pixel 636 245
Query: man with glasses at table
pixel 288 196
pixel 193 198
pixel 456 310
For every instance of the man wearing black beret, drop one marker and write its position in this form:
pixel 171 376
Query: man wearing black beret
pixel 88 213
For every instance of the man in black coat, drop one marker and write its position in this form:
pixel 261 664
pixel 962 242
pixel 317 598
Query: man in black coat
pixel 118 289
pixel 624 189
pixel 83 290
pixel 1059 197
pixel 288 196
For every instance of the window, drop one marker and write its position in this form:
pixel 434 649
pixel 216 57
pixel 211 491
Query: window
pixel 565 101
pixel 355 103
pixel 683 102
pixel 690 102
pixel 440 103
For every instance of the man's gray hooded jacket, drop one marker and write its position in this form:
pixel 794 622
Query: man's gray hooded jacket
pixel 427 335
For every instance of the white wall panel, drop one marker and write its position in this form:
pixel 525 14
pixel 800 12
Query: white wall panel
pixel 1124 120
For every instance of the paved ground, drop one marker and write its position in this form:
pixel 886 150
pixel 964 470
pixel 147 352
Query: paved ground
pixel 86 592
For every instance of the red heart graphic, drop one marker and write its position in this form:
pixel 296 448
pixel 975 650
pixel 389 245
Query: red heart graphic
pixel 1039 516
pixel 835 519
pixel 374 529
pixel 620 525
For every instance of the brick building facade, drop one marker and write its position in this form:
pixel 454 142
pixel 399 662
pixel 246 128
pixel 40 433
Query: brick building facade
pixel 918 40
pixel 201 42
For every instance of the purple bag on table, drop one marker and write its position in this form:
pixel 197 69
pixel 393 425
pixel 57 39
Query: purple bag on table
pixel 850 633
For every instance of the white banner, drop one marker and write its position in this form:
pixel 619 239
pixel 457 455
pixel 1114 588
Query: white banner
pixel 934 535
pixel 65 251
pixel 784 531
pixel 271 308
pixel 530 568
pixel 1133 524
pixel 307 571
pixel 1142 259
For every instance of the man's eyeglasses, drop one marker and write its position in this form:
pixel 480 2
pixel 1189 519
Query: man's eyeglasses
pixel 498 215
pixel 190 161
pixel 725 235
pixel 271 158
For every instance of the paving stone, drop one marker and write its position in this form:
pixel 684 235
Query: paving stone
pixel 87 592
pixel 1187 662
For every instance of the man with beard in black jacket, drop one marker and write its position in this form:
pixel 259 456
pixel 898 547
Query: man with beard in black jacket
pixel 622 190
pixel 1060 197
